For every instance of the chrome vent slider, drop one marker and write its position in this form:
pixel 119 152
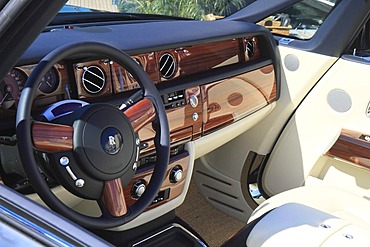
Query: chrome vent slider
pixel 167 65
pixel 250 47
pixel 93 79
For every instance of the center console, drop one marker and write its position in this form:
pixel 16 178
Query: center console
pixel 172 186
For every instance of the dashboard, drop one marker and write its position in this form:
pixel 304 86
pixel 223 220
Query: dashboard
pixel 205 83
pixel 214 104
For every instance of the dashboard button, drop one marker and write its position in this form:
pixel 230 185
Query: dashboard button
pixel 176 174
pixel 194 101
pixel 138 189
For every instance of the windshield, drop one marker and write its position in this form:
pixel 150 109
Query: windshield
pixel 300 20
pixel 193 9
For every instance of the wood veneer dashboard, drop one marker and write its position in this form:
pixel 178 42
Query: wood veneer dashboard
pixel 192 71
pixel 204 87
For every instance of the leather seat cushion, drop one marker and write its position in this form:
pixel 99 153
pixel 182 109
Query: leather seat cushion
pixel 316 215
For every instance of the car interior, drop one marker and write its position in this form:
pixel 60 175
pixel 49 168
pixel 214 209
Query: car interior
pixel 126 126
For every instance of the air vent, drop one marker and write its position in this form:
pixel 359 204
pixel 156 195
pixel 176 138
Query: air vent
pixel 93 79
pixel 167 65
pixel 250 47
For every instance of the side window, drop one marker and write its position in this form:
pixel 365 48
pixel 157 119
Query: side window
pixel 300 20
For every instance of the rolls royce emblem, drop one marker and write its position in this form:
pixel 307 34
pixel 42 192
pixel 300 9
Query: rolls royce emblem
pixel 111 140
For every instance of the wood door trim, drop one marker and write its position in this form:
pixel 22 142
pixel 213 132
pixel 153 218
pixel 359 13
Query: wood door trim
pixel 352 146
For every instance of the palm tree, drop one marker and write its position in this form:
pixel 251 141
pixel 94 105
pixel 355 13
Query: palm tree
pixel 222 7
pixel 180 8
pixel 194 9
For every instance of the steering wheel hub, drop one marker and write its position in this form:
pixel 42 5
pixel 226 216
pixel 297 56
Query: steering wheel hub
pixel 99 145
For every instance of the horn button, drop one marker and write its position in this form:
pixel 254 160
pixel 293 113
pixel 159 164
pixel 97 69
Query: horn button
pixel 105 142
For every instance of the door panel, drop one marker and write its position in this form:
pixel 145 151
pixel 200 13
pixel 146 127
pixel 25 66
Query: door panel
pixel 339 101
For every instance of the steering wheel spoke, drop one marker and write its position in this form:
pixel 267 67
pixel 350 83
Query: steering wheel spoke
pixel 113 198
pixel 140 114
pixel 50 137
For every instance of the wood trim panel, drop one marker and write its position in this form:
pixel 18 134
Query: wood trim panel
pixel 227 101
pixel 113 198
pixel 352 146
pixel 207 56
pixel 180 121
pixel 61 69
pixel 175 188
pixel 149 63
pixel 104 65
pixel 123 80
pixel 203 57
pixel 181 135
pixel 140 114
pixel 50 137
pixel 176 138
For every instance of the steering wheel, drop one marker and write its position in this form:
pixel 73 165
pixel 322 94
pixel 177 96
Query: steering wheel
pixel 93 152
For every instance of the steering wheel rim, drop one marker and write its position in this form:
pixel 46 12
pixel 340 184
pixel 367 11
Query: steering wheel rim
pixel 25 143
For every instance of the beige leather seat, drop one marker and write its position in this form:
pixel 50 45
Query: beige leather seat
pixel 316 215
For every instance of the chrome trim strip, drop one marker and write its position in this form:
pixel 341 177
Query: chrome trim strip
pixel 191 234
pixel 93 84
pixel 35 228
pixel 70 172
pixel 154 235
pixel 94 74
pixel 169 228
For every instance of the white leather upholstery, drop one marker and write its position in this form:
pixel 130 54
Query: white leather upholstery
pixel 312 216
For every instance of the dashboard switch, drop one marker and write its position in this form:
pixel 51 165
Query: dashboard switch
pixel 194 101
pixel 176 174
pixel 138 189
pixel 195 116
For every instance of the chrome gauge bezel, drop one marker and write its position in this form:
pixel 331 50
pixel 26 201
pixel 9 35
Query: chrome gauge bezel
pixel 50 82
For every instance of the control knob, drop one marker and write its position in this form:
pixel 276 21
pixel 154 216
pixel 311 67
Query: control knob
pixel 194 101
pixel 176 174
pixel 138 189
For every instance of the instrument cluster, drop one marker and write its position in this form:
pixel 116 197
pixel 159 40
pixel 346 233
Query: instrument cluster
pixel 90 80
pixel 50 89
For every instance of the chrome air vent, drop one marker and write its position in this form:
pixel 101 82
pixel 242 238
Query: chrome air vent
pixel 167 65
pixel 250 47
pixel 93 79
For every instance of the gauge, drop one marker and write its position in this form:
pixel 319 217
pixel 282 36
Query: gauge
pixel 49 82
pixel 11 86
